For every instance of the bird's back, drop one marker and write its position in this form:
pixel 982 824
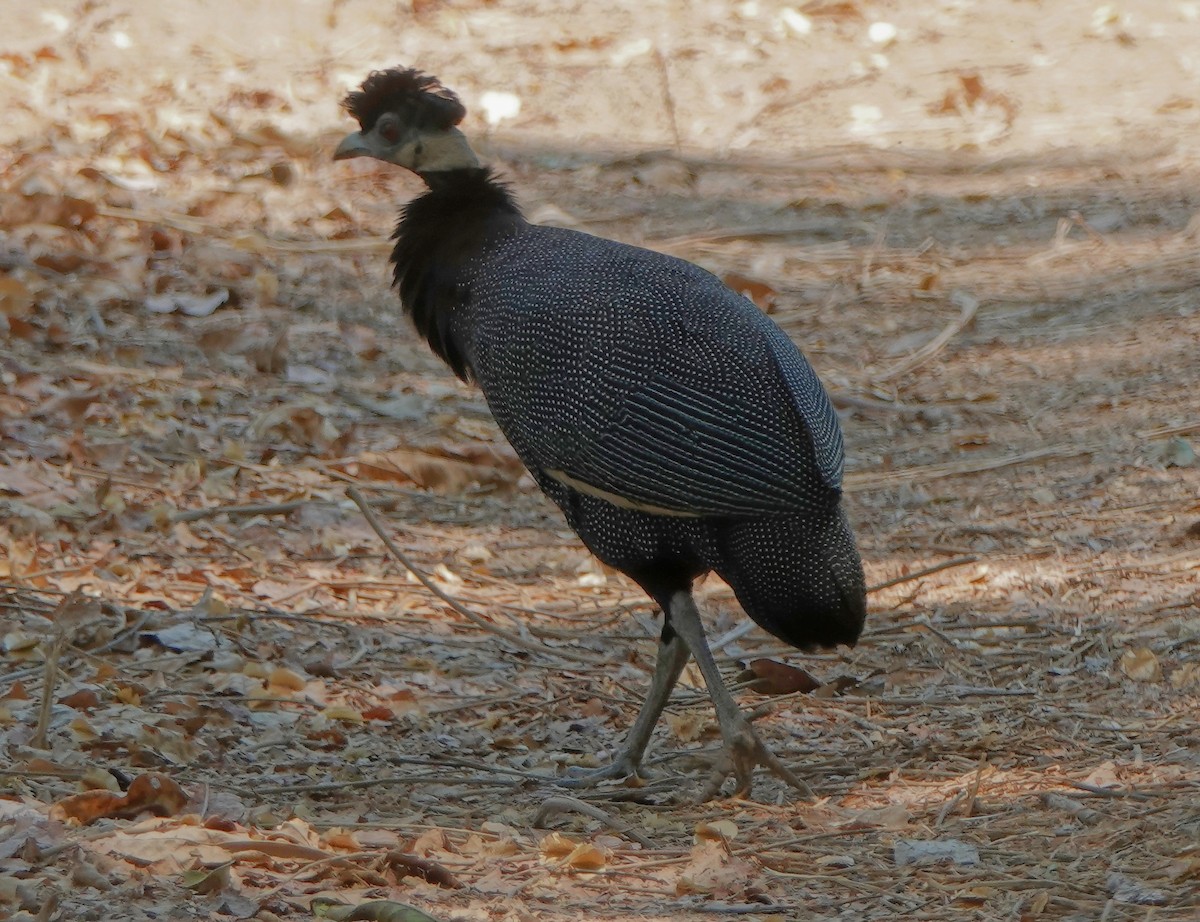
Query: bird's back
pixel 643 374
pixel 677 426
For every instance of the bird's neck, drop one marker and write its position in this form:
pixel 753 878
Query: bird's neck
pixel 440 238
pixel 444 151
pixel 463 182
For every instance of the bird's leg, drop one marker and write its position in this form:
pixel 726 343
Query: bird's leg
pixel 743 749
pixel 672 657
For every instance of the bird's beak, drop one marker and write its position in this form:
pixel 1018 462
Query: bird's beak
pixel 353 145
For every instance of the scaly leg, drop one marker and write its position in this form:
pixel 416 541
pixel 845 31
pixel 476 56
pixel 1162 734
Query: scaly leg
pixel 743 749
pixel 672 657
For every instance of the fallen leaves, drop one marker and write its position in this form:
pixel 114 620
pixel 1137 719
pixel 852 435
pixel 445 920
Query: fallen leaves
pixel 713 872
pixel 568 853
pixel 153 793
pixel 441 470
pixel 1141 665
pixel 189 470
pixel 769 677
pixel 372 911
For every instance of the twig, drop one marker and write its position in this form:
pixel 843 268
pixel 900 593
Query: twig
pixel 475 618
pixel 195 515
pixel 860 481
pixel 329 787
pixel 948 807
pixel 973 788
pixel 927 571
pixel 563 804
pixel 449 761
pixel 50 680
pixel 664 76
pixel 967 308
pixel 855 402
pixel 1085 815
pixel 1098 791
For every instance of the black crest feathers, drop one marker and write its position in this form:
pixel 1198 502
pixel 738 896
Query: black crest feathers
pixel 421 100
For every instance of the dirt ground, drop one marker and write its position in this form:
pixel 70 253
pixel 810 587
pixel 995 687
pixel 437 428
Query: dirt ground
pixel 979 218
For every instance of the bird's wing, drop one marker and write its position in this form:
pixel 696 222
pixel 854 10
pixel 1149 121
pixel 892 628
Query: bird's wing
pixel 710 421
pixel 812 403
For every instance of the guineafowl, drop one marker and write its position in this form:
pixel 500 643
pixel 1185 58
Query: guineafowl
pixel 676 426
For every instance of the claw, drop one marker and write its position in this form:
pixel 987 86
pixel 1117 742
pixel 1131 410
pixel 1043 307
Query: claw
pixel 621 768
pixel 742 753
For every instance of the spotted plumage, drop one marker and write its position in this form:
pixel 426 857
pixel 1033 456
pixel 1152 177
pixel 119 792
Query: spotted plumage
pixel 676 426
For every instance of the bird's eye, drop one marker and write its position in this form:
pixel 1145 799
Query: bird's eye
pixel 390 132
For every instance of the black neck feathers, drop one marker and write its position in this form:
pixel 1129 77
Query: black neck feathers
pixel 439 235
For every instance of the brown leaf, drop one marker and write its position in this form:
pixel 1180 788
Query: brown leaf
pixel 556 845
pixel 714 872
pixel 15 301
pixel 433 472
pixel 152 792
pixel 83 700
pixel 47 208
pixel 775 678
pixel 762 294
pixel 1141 665
pixel 412 866
pixel 373 911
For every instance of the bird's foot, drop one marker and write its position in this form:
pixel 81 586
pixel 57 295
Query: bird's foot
pixel 622 767
pixel 742 753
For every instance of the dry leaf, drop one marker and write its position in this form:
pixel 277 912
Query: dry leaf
pixel 586 857
pixel 192 305
pixel 344 713
pixel 762 294
pixel 150 793
pixel 687 727
pixel 716 831
pixel 207 881
pixel 1141 665
pixel 374 911
pixel 556 846
pixel 712 871
pixel 286 679
pixel 770 677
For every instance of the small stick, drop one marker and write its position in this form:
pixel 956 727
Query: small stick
pixel 1108 792
pixel 948 807
pixel 967 308
pixel 475 618
pixel 664 76
pixel 852 401
pixel 50 680
pixel 563 804
pixel 195 515
pixel 936 568
pixel 1085 815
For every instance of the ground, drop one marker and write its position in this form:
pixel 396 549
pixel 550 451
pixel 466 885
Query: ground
pixel 981 221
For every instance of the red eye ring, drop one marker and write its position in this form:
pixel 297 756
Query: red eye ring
pixel 390 132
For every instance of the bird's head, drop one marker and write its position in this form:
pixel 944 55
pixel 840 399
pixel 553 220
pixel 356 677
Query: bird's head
pixel 407 118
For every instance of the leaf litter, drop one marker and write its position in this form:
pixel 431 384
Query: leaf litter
pixel 221 696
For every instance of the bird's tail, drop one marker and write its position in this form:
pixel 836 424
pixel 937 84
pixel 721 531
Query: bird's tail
pixel 800 578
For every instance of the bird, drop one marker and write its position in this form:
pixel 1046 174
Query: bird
pixel 679 430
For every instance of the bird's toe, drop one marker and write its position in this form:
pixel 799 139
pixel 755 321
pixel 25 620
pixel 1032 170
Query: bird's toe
pixel 619 769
